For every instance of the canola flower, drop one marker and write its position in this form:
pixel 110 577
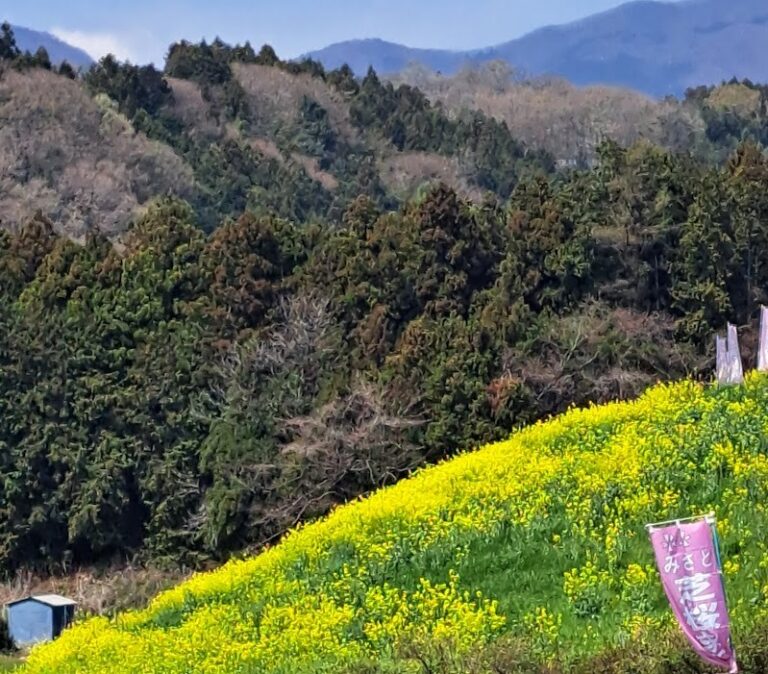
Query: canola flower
pixel 541 537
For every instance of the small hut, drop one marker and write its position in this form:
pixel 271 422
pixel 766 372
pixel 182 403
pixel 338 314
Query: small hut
pixel 39 618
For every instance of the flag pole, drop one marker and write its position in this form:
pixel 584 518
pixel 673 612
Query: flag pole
pixel 678 520
pixel 716 540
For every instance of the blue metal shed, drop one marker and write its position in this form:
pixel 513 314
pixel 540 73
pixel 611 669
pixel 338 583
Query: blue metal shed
pixel 39 618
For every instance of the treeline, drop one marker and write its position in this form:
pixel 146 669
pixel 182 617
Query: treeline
pixel 569 121
pixel 184 395
pixel 259 134
pixel 292 337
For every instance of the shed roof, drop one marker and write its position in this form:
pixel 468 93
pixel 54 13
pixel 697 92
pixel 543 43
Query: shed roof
pixel 48 599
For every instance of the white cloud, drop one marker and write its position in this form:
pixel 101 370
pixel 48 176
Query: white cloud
pixel 95 45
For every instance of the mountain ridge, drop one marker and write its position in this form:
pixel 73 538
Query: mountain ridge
pixel 58 50
pixel 660 48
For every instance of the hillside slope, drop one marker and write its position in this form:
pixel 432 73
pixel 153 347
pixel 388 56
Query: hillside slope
pixel 75 158
pixel 656 47
pixel 259 135
pixel 230 131
pixel 567 121
pixel 537 542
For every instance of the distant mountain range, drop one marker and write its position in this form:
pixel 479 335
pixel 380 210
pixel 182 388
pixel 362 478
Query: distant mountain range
pixel 58 50
pixel 656 47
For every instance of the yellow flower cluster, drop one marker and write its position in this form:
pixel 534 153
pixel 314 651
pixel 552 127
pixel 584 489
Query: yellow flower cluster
pixel 541 537
pixel 543 629
pixel 588 588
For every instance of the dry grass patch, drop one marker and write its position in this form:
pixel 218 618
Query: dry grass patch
pixel 313 170
pixel 102 592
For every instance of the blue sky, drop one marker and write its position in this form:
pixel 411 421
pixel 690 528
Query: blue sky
pixel 142 29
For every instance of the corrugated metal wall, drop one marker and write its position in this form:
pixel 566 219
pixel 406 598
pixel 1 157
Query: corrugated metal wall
pixel 30 622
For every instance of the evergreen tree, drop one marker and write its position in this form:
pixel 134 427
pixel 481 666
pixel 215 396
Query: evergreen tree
pixel 8 48
pixel 706 262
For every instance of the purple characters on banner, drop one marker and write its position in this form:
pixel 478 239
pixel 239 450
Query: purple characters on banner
pixel 688 561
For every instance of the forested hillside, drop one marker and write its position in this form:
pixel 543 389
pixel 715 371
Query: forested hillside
pixel 570 122
pixel 189 394
pixel 239 291
pixel 231 130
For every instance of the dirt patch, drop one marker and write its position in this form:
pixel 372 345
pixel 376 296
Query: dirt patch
pixel 267 148
pixel 310 165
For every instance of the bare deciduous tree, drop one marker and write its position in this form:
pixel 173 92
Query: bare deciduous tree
pixel 347 447
pixel 297 343
pixel 594 355
pixel 76 158
pixel 318 454
pixel 554 115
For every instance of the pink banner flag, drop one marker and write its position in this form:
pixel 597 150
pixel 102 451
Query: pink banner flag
pixel 689 564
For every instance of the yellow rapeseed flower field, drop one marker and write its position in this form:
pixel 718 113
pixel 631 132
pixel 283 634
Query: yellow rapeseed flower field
pixel 540 537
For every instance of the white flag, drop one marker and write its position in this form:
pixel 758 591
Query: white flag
pixel 721 362
pixel 735 369
pixel 762 352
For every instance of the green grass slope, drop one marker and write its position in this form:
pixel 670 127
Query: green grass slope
pixel 532 551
